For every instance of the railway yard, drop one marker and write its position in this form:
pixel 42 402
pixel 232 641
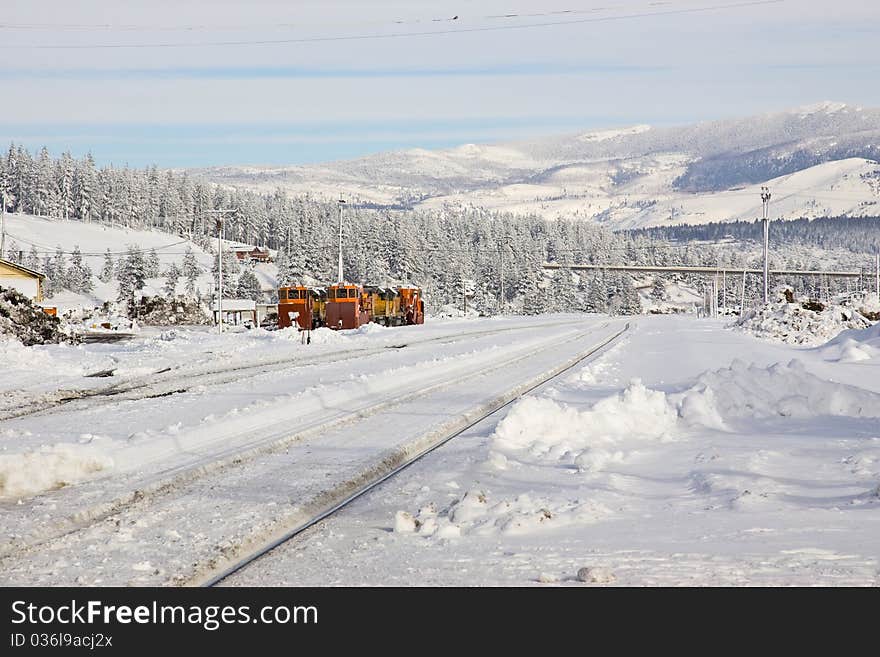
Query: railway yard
pixel 515 450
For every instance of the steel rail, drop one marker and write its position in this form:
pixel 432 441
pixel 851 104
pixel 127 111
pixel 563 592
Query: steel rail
pixel 494 408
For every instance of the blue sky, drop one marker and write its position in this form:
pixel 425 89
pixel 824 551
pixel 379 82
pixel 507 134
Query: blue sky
pixel 199 83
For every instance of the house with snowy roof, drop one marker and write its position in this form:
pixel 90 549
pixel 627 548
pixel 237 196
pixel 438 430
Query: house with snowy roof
pixel 22 279
pixel 251 254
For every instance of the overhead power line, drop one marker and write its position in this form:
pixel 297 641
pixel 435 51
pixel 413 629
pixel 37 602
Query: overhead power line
pixel 394 35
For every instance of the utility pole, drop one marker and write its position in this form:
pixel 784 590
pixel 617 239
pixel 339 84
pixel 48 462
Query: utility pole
pixel 742 300
pixel 341 205
pixel 220 273
pixel 2 224
pixel 765 202
pixel 219 221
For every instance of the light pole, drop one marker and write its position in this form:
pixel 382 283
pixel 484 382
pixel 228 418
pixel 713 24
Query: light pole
pixel 765 202
pixel 341 205
pixel 220 274
pixel 2 224
pixel 219 219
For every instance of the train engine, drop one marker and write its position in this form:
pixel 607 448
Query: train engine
pixel 348 306
pixel 397 306
pixel 303 305
pixel 412 305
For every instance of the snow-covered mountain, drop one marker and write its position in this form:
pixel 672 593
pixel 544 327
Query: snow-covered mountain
pixel 818 160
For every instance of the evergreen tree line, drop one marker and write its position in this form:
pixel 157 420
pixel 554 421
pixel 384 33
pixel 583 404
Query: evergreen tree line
pixel 855 234
pixel 492 258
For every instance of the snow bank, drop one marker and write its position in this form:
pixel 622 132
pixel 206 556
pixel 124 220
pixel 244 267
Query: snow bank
pixel 793 323
pixel 854 345
pixel 61 359
pixel 540 433
pixel 749 392
pixel 539 430
pixel 51 466
pixel 548 430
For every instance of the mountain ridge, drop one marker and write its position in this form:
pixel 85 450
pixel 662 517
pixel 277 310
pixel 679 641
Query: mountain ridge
pixel 631 176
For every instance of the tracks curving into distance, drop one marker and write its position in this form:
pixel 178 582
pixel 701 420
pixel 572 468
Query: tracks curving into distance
pixel 404 459
pixel 277 436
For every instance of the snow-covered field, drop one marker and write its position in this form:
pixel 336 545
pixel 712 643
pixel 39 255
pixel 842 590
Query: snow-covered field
pixel 685 455
pixel 682 453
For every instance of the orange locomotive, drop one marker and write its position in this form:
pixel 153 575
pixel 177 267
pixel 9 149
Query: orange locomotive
pixel 303 305
pixel 349 306
pixel 412 305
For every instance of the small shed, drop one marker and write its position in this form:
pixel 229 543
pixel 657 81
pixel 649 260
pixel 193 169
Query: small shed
pixel 22 279
pixel 236 312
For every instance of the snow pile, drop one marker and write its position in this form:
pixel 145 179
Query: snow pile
pixel 51 466
pixel 22 320
pixel 750 392
pixel 541 431
pixel 801 322
pixel 854 345
pixel 477 513
pixel 160 311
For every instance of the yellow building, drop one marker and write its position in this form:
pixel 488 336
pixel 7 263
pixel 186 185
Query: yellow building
pixel 20 278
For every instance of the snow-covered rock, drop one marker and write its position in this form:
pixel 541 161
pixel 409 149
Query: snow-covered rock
pixel 801 323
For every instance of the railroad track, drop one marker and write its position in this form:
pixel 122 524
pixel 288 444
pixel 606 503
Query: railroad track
pixel 181 379
pixel 273 439
pixel 427 444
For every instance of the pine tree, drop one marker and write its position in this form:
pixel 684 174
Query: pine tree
pixel 285 275
pixel 249 286
pixel 109 269
pixel 79 274
pixel 33 260
pixel 57 270
pixel 84 189
pixel 172 275
pixel 152 264
pixel 14 253
pixel 597 296
pixel 50 284
pixel 230 268
pixel 132 274
pixel 191 272
pixel 658 291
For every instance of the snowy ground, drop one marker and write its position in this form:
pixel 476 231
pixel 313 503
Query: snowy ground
pixel 277 421
pixel 710 471
pixel 730 461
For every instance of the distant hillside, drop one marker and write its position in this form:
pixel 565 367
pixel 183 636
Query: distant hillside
pixel 819 160
pixel 38 240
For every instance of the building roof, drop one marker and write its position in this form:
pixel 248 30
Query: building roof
pixel 237 305
pixel 22 268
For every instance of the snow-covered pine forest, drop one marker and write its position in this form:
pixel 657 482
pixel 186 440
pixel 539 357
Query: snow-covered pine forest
pixel 449 252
